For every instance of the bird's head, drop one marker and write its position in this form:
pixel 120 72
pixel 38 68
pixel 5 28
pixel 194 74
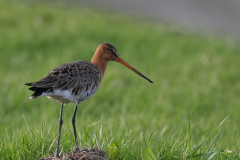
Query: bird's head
pixel 108 52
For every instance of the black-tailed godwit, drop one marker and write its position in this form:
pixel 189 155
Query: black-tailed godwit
pixel 77 81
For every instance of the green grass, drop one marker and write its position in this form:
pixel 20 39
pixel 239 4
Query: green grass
pixel 144 119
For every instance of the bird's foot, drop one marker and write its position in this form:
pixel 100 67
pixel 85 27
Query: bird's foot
pixel 77 149
pixel 57 155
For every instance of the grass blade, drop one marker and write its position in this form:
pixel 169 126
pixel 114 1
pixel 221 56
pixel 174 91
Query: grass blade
pixel 197 148
pixel 148 154
pixel 211 157
pixel 189 128
pixel 214 140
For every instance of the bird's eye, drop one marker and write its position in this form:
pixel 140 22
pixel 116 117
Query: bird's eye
pixel 111 50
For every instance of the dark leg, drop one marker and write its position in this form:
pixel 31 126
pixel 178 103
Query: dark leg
pixel 74 128
pixel 59 132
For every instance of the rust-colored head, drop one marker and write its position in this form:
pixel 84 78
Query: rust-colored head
pixel 107 52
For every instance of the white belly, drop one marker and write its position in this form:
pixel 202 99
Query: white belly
pixel 66 96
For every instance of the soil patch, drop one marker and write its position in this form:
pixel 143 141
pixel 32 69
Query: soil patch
pixel 87 154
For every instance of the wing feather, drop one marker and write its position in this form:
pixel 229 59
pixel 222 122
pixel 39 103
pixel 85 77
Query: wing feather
pixel 70 75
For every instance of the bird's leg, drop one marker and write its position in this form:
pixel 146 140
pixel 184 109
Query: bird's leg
pixel 59 131
pixel 74 128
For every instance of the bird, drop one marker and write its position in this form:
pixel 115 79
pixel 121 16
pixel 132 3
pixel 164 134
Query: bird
pixel 77 81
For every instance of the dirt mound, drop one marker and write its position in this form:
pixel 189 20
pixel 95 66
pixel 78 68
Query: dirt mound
pixel 92 154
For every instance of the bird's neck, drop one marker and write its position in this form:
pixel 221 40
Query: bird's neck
pixel 100 62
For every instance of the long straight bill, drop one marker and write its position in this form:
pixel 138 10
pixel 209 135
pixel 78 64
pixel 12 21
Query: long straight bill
pixel 120 60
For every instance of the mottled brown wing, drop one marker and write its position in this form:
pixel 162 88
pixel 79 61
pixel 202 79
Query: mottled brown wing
pixel 70 75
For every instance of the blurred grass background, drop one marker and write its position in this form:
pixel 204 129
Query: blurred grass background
pixel 184 66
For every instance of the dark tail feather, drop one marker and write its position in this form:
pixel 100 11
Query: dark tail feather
pixel 39 91
pixel 29 84
pixel 33 89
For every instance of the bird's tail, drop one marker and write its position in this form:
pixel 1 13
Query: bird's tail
pixel 29 84
pixel 38 91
